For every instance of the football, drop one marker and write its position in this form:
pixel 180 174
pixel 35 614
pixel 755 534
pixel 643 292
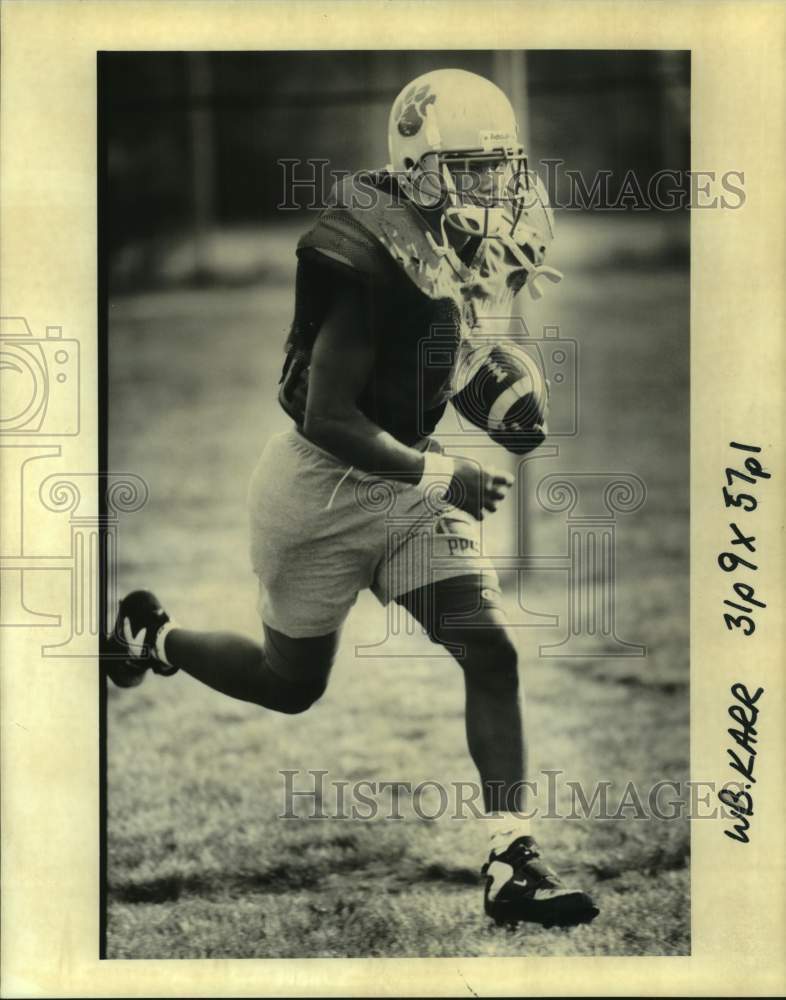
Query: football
pixel 502 390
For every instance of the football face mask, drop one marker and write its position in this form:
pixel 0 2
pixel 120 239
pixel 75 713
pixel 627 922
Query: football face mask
pixel 497 198
pixel 480 193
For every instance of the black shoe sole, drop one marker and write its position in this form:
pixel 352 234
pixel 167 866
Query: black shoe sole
pixel 123 673
pixel 569 910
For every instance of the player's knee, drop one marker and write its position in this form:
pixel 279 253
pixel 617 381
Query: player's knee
pixel 297 670
pixel 296 699
pixel 490 660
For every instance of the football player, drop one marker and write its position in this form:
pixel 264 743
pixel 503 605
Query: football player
pixel 452 229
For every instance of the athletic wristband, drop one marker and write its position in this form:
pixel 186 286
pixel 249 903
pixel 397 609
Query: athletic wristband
pixel 438 471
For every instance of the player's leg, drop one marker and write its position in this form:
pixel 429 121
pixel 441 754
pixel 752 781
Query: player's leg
pixel 307 550
pixel 464 613
pixel 438 574
pixel 284 674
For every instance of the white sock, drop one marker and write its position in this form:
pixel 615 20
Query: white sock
pixel 160 643
pixel 504 828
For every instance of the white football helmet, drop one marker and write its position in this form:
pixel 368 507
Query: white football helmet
pixel 453 143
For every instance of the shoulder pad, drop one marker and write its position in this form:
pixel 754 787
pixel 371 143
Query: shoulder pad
pixel 370 224
pixel 345 232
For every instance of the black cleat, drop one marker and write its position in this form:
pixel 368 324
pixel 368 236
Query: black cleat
pixel 131 647
pixel 522 888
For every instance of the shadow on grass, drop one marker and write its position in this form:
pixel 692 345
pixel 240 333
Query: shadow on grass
pixel 291 876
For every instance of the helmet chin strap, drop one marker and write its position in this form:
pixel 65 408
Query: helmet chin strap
pixel 457 213
pixel 493 220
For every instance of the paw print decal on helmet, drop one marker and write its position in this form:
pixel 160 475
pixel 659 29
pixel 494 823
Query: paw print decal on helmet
pixel 414 111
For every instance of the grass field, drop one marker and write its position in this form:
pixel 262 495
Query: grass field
pixel 199 865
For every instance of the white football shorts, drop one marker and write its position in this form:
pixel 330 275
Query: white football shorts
pixel 320 532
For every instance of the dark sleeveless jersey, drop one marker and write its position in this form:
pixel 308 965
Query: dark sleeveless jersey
pixel 415 302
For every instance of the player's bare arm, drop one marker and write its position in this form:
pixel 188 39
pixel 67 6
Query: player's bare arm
pixel 342 361
pixel 341 364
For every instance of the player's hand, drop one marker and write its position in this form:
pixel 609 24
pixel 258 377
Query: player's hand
pixel 477 490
